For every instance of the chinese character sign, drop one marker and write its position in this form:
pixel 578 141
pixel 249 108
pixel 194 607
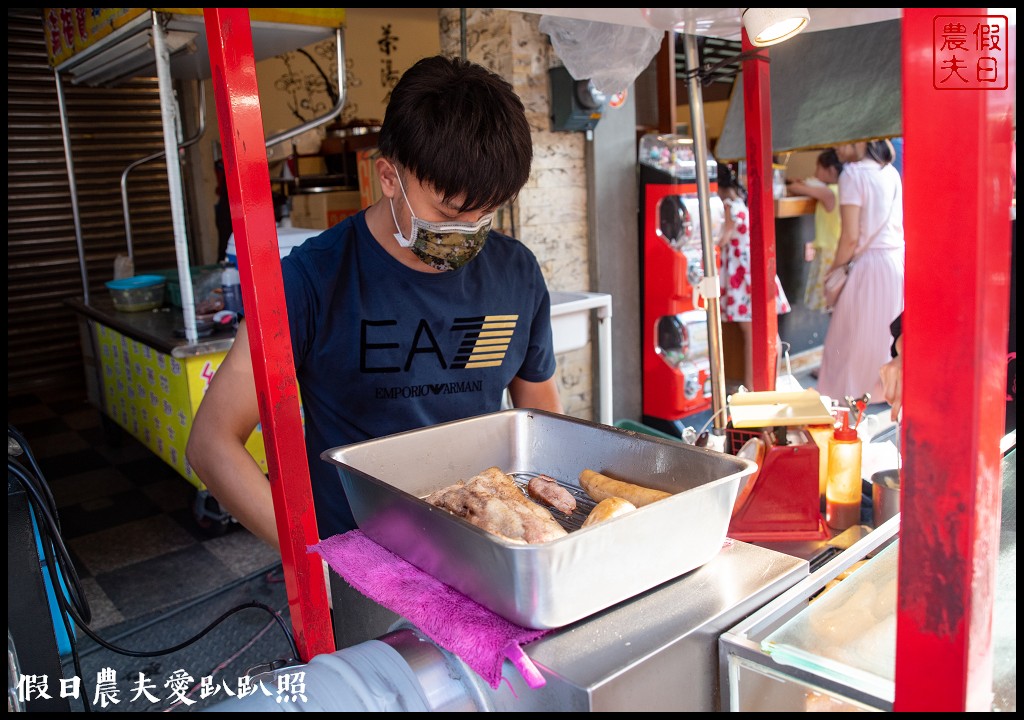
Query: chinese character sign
pixel 388 45
pixel 969 52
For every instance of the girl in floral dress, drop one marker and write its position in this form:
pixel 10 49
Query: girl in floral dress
pixel 734 246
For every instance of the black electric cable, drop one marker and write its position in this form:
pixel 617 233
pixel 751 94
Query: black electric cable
pixel 33 471
pixel 47 534
pixel 76 609
pixel 707 73
pixel 45 505
pixel 180 646
pixel 27 452
pixel 47 495
pixel 59 593
pixel 75 587
pixel 198 600
pixel 41 500
pixel 47 537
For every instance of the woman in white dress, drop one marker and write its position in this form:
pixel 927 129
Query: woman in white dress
pixel 871 205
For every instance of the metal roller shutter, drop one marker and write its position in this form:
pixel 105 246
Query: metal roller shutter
pixel 110 128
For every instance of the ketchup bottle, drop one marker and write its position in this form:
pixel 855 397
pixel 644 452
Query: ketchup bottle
pixel 843 491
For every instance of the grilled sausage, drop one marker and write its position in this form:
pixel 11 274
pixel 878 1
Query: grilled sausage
pixel 546 490
pixel 607 509
pixel 601 487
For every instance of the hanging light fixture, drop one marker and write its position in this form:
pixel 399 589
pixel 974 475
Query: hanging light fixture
pixel 768 26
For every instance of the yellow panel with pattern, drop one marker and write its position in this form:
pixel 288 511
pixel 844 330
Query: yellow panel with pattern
pixel 155 396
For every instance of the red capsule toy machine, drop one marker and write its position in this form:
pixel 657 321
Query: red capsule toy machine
pixel 676 363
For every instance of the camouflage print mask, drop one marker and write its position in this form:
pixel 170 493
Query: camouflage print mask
pixel 443 246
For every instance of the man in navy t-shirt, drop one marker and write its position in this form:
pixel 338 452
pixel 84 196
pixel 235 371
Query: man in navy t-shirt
pixel 410 313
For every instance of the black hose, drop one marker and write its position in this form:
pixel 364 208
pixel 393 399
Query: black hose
pixel 61 567
pixel 199 599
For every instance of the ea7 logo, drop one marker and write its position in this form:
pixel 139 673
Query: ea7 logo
pixel 485 340
pixel 484 343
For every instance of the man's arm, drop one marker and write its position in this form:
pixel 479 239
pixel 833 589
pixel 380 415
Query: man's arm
pixel 538 395
pixel 216 450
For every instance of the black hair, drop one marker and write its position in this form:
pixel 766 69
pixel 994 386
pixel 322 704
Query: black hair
pixel 830 159
pixel 461 128
pixel 727 179
pixel 881 151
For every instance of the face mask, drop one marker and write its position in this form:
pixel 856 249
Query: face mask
pixel 443 246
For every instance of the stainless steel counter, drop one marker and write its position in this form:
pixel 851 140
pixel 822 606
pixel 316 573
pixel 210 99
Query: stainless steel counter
pixel 657 651
pixel 155 328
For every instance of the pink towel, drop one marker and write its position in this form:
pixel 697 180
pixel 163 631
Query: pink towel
pixel 460 625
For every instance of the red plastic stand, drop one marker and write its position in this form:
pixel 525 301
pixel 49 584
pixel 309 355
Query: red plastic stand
pixel 782 499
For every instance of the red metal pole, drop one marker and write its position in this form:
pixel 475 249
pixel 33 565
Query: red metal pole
pixel 957 193
pixel 252 216
pixel 757 123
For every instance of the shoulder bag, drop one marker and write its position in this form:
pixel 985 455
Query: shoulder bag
pixel 835 279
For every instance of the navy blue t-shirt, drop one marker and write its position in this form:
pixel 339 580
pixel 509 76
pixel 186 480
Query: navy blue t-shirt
pixel 381 348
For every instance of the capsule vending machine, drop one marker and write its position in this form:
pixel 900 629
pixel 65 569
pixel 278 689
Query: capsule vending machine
pixel 676 363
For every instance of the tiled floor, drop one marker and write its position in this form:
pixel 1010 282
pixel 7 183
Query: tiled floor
pixel 141 557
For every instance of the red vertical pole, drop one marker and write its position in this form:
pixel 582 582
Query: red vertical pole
pixel 757 123
pixel 957 195
pixel 252 216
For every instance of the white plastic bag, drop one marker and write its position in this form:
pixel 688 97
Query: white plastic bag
pixel 611 56
pixel 124 267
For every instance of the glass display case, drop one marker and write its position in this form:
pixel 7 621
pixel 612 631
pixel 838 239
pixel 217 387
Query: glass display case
pixel 826 644
pixel 829 642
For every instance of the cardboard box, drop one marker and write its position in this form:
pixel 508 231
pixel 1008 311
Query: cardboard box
pixel 311 165
pixel 320 211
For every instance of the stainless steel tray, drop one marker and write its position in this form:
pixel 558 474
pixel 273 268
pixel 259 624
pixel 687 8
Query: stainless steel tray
pixel 552 584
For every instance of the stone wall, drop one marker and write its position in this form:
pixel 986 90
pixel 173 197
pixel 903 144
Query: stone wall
pixel 550 215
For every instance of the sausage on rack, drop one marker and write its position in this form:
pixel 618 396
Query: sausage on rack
pixel 546 490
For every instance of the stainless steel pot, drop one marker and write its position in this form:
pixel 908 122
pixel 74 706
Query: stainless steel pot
pixel 885 495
